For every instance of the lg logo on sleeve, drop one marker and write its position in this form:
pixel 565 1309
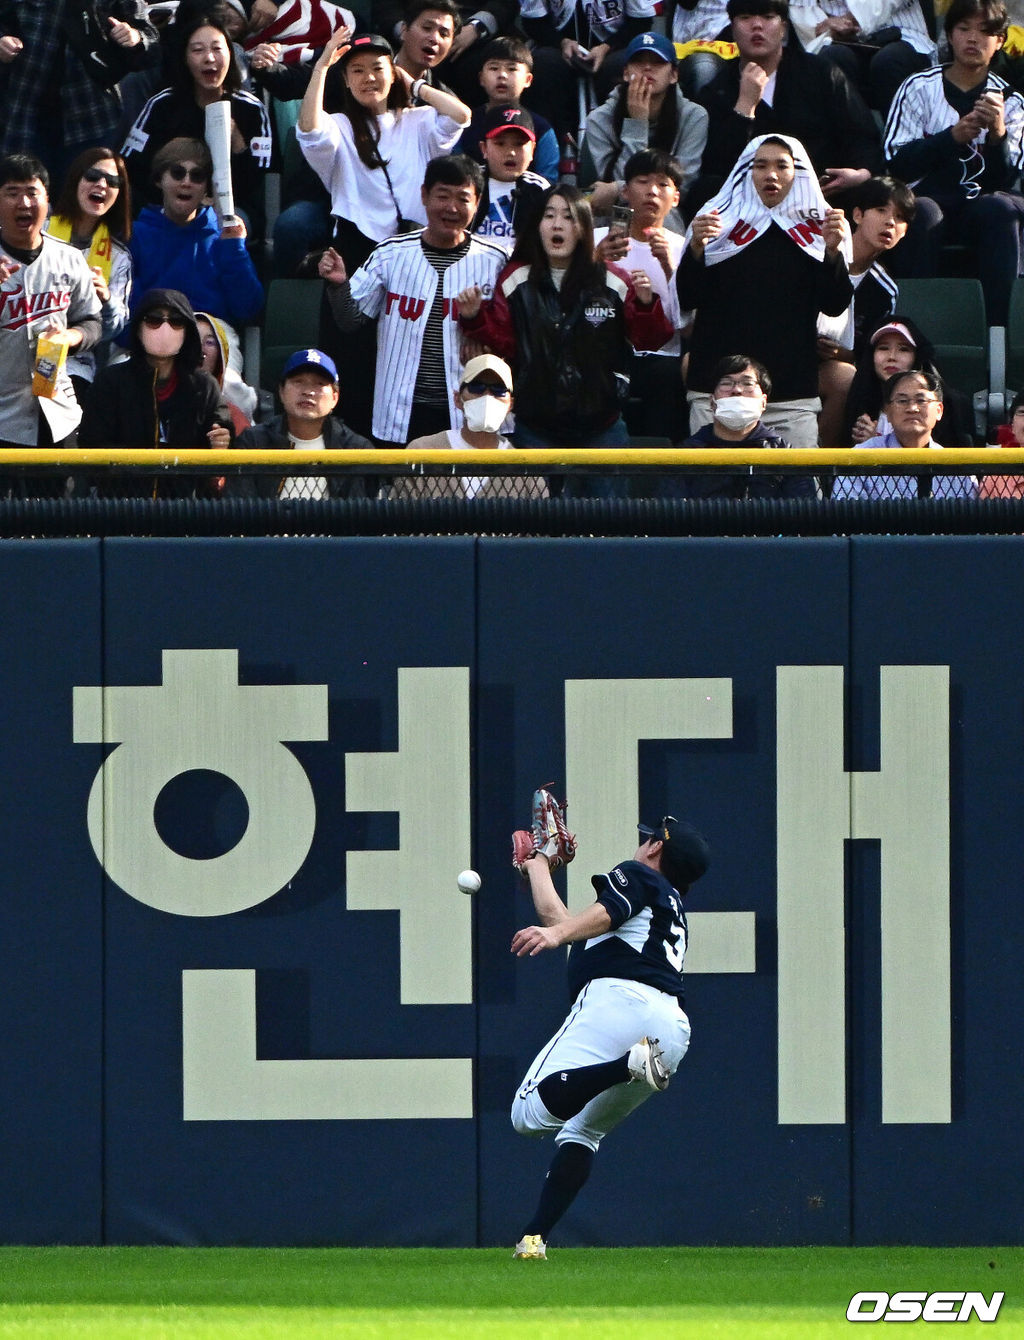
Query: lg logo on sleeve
pixel 948 1306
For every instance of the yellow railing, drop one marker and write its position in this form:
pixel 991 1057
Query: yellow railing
pixel 976 460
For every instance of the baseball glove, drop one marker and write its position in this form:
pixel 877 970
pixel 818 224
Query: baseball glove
pixel 548 834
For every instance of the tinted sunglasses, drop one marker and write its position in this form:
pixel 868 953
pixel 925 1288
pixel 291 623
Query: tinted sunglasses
pixel 485 388
pixel 197 176
pixel 154 320
pixel 95 174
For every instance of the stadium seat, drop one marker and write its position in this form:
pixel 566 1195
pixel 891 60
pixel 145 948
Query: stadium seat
pixel 951 312
pixel 1015 339
pixel 291 321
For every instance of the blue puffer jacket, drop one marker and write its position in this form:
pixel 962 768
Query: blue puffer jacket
pixel 216 276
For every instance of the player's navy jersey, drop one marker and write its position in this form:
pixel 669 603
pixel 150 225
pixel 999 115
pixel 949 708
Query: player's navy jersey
pixel 647 940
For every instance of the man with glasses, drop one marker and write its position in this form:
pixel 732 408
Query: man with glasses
pixel 627 1031
pixel 913 405
pixel 46 291
pixel 484 400
pixel 742 388
pixel 179 244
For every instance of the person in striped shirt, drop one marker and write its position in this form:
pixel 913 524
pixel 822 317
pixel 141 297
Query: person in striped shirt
pixel 956 134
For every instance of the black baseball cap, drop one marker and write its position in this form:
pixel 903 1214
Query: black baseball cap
pixel 367 42
pixel 507 118
pixel 685 854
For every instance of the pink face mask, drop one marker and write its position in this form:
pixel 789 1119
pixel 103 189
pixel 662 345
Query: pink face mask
pixel 159 338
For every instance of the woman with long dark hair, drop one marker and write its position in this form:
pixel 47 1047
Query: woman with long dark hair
pixel 565 321
pixel 203 71
pixel 93 213
pixel 897 344
pixel 371 155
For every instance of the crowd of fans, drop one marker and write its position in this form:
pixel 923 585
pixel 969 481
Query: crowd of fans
pixel 716 263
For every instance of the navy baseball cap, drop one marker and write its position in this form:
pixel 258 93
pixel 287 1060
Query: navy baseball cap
pixel 507 118
pixel 310 358
pixel 685 854
pixel 656 43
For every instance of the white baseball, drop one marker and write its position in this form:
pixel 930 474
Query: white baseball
pixel 469 881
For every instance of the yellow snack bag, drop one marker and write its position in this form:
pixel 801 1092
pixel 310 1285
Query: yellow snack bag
pixel 51 355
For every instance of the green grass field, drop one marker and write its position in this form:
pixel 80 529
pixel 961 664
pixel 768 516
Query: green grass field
pixel 147 1293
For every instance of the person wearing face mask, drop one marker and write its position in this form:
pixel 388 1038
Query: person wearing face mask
pixel 484 399
pixel 742 387
pixel 159 397
pixel 765 256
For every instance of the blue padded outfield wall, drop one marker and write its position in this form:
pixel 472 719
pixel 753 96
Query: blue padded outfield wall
pixel 245 1004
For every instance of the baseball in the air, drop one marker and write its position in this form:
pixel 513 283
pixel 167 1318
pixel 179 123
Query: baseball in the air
pixel 469 881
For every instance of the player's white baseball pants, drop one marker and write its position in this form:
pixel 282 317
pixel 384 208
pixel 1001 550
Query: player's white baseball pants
pixel 607 1017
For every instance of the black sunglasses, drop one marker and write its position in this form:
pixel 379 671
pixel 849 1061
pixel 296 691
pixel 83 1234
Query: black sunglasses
pixel 197 176
pixel 95 174
pixel 154 320
pixel 486 388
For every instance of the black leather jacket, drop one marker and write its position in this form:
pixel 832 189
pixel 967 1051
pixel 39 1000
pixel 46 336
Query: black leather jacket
pixel 569 366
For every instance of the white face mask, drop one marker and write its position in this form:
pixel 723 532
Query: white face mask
pixel 738 411
pixel 484 413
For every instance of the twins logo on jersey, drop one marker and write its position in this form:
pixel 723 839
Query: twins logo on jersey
pixel 19 309
pixel 411 308
pixel 597 313
pixel 801 233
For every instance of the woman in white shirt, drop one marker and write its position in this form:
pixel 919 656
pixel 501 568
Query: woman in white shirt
pixel 371 156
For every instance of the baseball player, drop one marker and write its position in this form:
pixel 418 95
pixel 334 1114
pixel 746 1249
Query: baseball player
pixel 408 285
pixel 626 1032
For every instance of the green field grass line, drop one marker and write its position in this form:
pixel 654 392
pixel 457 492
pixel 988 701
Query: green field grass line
pixel 174 1293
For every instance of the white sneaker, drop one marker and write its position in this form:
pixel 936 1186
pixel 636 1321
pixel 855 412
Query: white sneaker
pixel 646 1063
pixel 531 1248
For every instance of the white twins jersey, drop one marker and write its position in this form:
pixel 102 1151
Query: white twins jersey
pixel 56 288
pixel 906 15
pixel 396 287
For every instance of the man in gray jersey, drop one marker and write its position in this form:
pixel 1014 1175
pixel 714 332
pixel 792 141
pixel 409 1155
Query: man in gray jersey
pixel 46 290
pixel 408 285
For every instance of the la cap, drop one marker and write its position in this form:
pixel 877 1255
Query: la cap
pixel 656 43
pixel 487 363
pixel 310 358
pixel 507 118
pixel 685 854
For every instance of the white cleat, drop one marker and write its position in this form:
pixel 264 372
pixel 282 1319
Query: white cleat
pixel 646 1063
